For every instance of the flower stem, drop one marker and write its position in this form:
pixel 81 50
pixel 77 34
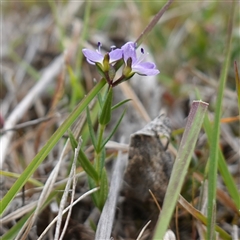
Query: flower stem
pixel 118 81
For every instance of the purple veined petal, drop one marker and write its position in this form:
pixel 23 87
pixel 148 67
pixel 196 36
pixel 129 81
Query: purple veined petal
pixel 92 63
pixel 115 55
pixel 129 51
pixel 92 56
pixel 147 65
pixel 145 71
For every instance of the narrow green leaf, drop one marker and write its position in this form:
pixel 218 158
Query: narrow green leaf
pixel 222 166
pixel 100 100
pixel 214 153
pixel 106 113
pixel 113 131
pixel 102 161
pixel 101 129
pixel 87 166
pixel 42 154
pixel 103 192
pixel 99 198
pixel 91 130
pixel 228 180
pixel 120 104
pixel 82 158
pixel 190 136
pixel 73 141
pixel 95 195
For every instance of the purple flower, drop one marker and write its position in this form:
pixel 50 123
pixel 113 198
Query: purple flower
pixel 94 57
pixel 137 64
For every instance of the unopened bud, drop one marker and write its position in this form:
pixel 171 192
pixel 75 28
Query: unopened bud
pixel 106 65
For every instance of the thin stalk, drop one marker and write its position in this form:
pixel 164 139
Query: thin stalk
pixel 214 154
pixel 150 26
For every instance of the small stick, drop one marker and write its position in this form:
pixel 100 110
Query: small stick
pixel 153 23
pixel 26 124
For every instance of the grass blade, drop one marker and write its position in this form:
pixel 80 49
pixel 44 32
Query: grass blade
pixel 213 164
pixel 222 166
pixel 180 167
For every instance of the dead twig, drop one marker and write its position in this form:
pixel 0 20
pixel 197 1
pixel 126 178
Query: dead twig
pixel 27 124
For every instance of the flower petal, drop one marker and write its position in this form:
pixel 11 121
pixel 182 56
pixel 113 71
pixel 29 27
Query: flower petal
pixel 89 61
pixel 92 56
pixel 129 51
pixel 148 65
pixel 115 55
pixel 146 68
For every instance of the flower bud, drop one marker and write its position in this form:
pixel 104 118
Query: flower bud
pixel 106 65
pixel 111 72
pixel 127 70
